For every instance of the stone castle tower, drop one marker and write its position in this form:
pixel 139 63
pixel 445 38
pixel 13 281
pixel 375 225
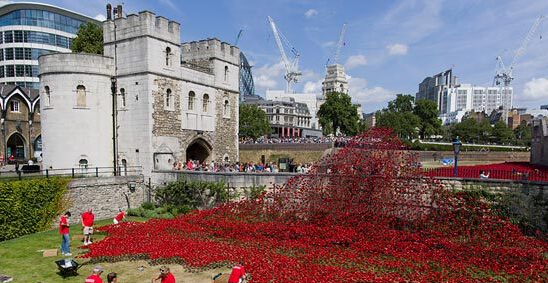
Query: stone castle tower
pixel 173 101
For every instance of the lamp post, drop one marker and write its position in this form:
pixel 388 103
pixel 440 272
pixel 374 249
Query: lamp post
pixel 114 90
pixel 456 151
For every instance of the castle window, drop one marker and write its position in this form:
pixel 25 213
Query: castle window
pixel 123 95
pixel 191 96
pixel 168 53
pixel 48 95
pixel 205 102
pixel 83 163
pixel 226 109
pixel 14 106
pixel 168 97
pixel 81 96
pixel 226 73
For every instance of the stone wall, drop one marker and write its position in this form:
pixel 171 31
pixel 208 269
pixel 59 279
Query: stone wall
pixel 105 195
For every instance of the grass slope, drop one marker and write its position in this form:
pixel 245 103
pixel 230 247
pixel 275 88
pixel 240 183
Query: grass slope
pixel 22 259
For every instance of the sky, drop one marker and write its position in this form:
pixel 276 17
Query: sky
pixel 389 46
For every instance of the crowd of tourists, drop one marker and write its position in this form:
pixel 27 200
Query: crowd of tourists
pixel 195 165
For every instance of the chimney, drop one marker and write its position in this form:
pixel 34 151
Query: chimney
pixel 109 11
pixel 119 11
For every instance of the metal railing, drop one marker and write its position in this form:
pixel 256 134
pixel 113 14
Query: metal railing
pixel 78 172
pixel 499 174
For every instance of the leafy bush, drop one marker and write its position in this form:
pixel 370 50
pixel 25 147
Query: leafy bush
pixel 187 194
pixel 148 205
pixel 30 206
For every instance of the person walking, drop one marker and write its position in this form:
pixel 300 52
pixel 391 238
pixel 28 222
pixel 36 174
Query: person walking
pixel 64 232
pixel 87 222
pixel 95 276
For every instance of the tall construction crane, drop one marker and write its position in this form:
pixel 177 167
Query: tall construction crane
pixel 503 74
pixel 292 72
pixel 339 44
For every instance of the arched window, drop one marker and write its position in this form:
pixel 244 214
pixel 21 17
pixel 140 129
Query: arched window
pixel 168 97
pixel 205 102
pixel 81 96
pixel 226 73
pixel 83 163
pixel 191 96
pixel 226 109
pixel 48 96
pixel 168 53
pixel 123 95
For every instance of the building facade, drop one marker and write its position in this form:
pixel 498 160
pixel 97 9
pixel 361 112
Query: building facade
pixel 20 122
pixel 432 88
pixel 28 30
pixel 476 98
pixel 172 102
pixel 335 80
pixel 287 118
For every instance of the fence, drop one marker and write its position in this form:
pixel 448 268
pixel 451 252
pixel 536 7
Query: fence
pixel 499 174
pixel 80 172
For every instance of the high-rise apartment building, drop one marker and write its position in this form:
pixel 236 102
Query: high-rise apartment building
pixel 432 88
pixel 28 30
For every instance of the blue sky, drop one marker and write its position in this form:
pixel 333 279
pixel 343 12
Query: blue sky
pixel 390 46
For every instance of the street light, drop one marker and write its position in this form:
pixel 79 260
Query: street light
pixel 456 151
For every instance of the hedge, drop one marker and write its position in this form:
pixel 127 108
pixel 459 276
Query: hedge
pixel 30 206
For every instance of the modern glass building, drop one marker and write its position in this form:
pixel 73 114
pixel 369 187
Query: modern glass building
pixel 247 88
pixel 28 30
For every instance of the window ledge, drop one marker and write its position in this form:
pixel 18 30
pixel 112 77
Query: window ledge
pixel 81 107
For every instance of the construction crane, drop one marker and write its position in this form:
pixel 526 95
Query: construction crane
pixel 238 37
pixel 339 44
pixel 503 74
pixel 292 72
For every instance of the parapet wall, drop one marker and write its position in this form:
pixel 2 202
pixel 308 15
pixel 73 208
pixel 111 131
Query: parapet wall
pixel 210 48
pixel 145 23
pixel 82 63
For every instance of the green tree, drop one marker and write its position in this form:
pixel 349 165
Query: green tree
pixel 502 134
pixel 253 122
pixel 523 134
pixel 467 130
pixel 338 113
pixel 89 39
pixel 399 116
pixel 427 111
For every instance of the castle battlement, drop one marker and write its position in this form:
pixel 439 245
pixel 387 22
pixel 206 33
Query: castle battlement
pixel 142 24
pixel 210 48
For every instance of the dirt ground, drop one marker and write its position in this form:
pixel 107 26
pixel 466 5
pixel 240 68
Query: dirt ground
pixel 131 271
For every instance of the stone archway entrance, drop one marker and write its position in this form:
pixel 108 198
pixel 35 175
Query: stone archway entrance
pixel 198 150
pixel 15 146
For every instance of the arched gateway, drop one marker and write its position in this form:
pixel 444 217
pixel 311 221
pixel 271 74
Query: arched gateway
pixel 199 149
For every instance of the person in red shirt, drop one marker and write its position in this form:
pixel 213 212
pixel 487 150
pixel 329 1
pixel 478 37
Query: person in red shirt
pixel 87 223
pixel 64 232
pixel 119 217
pixel 95 276
pixel 238 274
pixel 165 276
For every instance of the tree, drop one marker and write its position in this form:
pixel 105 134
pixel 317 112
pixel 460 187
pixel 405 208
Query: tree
pixel 338 113
pixel 89 39
pixel 523 134
pixel 467 130
pixel 399 116
pixel 253 122
pixel 427 111
pixel 502 133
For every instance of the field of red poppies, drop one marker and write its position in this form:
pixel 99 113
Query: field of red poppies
pixel 503 171
pixel 362 215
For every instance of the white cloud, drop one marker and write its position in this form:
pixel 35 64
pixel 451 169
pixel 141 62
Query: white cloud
pixel 100 17
pixel 268 75
pixel 535 89
pixel 371 99
pixel 355 61
pixel 313 87
pixel 2 3
pixel 310 13
pixel 397 49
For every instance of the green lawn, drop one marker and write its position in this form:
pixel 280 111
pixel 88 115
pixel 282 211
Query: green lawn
pixel 22 258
